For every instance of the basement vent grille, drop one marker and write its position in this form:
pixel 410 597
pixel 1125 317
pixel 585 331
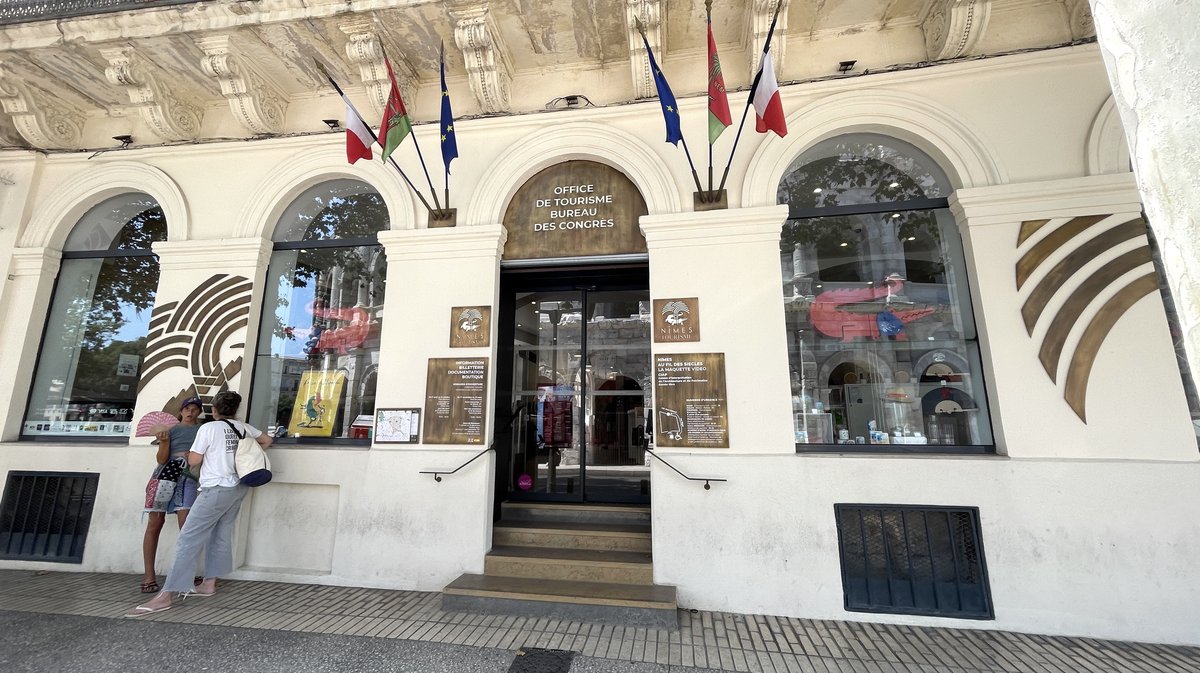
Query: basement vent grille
pixel 44 516
pixel 917 560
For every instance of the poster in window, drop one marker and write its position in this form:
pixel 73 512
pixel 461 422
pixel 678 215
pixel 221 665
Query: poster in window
pixel 317 401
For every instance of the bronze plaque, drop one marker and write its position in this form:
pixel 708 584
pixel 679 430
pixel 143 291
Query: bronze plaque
pixel 455 399
pixel 470 326
pixel 575 209
pixel 676 320
pixel 689 393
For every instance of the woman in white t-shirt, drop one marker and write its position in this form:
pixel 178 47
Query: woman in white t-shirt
pixel 209 528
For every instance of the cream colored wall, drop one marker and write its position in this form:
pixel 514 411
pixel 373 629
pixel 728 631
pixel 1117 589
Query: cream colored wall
pixel 764 541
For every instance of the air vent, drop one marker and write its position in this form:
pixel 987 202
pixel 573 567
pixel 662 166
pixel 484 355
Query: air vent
pixel 44 516
pixel 917 560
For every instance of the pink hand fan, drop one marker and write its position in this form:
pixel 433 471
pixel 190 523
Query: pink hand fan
pixel 154 423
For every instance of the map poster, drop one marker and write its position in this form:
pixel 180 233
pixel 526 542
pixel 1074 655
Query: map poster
pixel 317 402
pixel 455 399
pixel 397 426
pixel 689 390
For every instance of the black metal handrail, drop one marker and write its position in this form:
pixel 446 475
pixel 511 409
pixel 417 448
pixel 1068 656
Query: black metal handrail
pixel 706 480
pixel 437 474
pixel 21 11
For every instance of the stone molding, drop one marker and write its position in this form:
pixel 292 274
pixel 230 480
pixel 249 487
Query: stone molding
pixel 1079 18
pixel 761 224
pixel 35 262
pixel 1070 197
pixel 225 254
pixel 168 113
pixel 54 218
pixel 1107 148
pixel 257 104
pixel 365 48
pixel 652 14
pixel 43 120
pixel 489 68
pixel 413 245
pixel 760 14
pixel 953 27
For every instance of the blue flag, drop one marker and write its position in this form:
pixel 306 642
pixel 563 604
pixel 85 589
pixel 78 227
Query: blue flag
pixel 449 143
pixel 670 109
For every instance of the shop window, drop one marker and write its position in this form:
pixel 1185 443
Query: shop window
pixel 91 355
pixel 318 346
pixel 881 338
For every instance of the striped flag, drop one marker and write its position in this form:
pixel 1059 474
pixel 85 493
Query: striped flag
pixel 358 136
pixel 395 125
pixel 718 102
pixel 768 107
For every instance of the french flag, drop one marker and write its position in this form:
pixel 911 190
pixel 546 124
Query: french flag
pixel 358 136
pixel 768 108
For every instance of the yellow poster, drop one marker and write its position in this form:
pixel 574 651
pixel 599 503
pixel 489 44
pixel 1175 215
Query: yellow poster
pixel 317 400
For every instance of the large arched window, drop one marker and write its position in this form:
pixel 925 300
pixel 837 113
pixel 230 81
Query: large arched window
pixel 882 341
pixel 318 347
pixel 86 380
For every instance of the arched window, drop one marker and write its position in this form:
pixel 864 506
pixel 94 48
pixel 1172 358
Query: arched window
pixel 318 346
pixel 87 374
pixel 881 337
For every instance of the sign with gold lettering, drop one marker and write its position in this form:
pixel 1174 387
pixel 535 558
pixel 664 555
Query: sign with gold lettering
pixel 574 209
pixel 470 326
pixel 455 397
pixel 689 389
pixel 676 320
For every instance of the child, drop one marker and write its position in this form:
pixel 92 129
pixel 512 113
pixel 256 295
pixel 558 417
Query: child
pixel 173 445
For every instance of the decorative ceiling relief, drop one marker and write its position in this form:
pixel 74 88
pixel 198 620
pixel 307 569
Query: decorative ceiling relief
pixel 257 103
pixel 651 14
pixel 761 13
pixel 1079 17
pixel 365 48
pixel 488 65
pixel 953 27
pixel 192 333
pixel 1075 250
pixel 171 115
pixel 42 120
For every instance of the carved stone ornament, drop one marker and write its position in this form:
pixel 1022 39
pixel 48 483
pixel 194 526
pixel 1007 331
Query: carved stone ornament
pixel 44 121
pixel 488 67
pixel 953 27
pixel 257 104
pixel 761 12
pixel 1079 16
pixel 166 113
pixel 651 13
pixel 364 48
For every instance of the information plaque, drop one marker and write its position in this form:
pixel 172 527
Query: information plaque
pixel 689 389
pixel 455 399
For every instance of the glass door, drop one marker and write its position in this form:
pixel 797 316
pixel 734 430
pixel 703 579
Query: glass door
pixel 574 392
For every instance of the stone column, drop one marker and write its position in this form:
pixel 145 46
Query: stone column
pixel 30 284
pixel 1153 61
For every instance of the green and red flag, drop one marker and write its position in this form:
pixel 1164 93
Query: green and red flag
pixel 718 102
pixel 395 125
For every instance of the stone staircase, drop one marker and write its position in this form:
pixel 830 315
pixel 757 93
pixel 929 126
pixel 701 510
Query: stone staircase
pixel 583 562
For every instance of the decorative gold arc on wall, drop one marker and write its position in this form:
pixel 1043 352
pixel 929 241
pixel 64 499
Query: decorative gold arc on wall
pixel 191 333
pixel 1087 290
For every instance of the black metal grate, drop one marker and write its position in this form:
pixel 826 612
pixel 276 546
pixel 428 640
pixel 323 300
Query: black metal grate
pixel 44 516
pixel 910 559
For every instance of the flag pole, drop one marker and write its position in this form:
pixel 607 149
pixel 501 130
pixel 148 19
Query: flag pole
pixel 708 20
pixel 641 29
pixel 442 80
pixel 750 98
pixel 417 145
pixel 374 138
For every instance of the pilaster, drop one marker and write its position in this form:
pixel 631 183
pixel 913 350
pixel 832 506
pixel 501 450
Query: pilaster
pixel 30 284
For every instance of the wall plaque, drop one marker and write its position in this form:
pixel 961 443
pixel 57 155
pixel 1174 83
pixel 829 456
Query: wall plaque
pixel 470 326
pixel 676 320
pixel 575 209
pixel 689 389
pixel 455 398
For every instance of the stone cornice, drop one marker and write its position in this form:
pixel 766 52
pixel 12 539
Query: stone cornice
pixel 954 27
pixel 169 114
pixel 44 121
pixel 760 14
pixel 213 255
pixel 365 48
pixel 257 104
pixel 444 243
pixel 488 66
pixel 1006 204
pixel 35 261
pixel 652 15
pixel 714 227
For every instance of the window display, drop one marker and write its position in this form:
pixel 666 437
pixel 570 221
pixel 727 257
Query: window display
pixel 318 348
pixel 87 375
pixel 882 340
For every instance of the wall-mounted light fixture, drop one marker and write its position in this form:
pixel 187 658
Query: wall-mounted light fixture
pixel 846 66
pixel 125 140
pixel 574 100
pixel 333 124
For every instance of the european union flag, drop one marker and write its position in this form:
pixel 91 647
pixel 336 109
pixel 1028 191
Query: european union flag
pixel 670 109
pixel 449 144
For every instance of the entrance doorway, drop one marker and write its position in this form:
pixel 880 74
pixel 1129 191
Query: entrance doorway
pixel 573 385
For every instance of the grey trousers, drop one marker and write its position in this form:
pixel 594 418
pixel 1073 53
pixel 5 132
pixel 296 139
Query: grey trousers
pixel 209 530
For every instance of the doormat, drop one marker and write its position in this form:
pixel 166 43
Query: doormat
pixel 537 660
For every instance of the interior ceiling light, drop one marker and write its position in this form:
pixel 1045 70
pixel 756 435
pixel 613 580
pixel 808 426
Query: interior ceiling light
pixel 845 244
pixel 894 185
pixel 895 215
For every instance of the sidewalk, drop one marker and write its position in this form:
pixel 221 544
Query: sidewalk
pixel 705 640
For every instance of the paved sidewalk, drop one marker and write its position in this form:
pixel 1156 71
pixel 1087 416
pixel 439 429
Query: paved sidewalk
pixel 706 640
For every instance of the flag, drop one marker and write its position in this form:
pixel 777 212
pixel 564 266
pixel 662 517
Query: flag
pixel 670 109
pixel 449 140
pixel 395 123
pixel 768 107
pixel 718 102
pixel 358 136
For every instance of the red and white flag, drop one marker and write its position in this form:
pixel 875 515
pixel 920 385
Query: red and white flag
pixel 358 136
pixel 768 108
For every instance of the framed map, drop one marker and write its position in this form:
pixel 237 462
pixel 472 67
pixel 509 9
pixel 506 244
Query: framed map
pixel 397 426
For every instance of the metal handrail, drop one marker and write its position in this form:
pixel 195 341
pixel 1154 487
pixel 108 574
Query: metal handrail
pixel 662 460
pixel 437 474
pixel 22 11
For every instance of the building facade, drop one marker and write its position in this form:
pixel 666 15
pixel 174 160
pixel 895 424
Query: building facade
pixel 927 316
